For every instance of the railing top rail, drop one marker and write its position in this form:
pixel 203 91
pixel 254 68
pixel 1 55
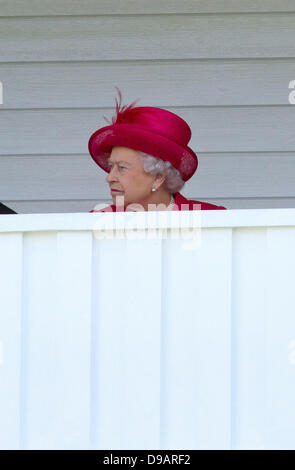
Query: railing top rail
pixel 141 220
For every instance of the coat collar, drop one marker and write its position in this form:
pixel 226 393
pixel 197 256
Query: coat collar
pixel 182 204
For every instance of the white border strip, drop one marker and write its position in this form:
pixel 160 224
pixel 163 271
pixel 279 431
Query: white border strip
pixel 137 220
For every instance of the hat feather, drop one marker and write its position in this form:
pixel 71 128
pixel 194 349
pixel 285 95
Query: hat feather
pixel 122 112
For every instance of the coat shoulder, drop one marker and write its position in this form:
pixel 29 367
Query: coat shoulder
pixel 208 206
pixel 196 205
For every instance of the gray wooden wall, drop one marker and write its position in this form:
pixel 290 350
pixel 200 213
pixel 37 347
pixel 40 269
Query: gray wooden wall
pixel 222 65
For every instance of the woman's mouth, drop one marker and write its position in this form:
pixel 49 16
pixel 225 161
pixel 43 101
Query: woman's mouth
pixel 116 191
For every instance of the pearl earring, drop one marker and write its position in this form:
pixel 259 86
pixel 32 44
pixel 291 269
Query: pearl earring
pixel 153 189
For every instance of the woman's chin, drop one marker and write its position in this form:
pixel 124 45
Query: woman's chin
pixel 119 196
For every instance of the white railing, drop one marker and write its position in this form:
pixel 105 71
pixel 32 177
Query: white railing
pixel 155 338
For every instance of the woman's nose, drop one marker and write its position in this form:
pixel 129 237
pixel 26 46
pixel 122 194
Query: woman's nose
pixel 111 175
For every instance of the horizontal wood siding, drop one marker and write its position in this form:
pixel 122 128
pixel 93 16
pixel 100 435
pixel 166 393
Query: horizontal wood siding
pixel 157 37
pixel 111 7
pixel 224 66
pixel 194 82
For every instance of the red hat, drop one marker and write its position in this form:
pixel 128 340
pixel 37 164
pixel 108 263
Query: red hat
pixel 155 131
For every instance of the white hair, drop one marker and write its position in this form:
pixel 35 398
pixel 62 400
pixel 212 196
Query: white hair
pixel 155 166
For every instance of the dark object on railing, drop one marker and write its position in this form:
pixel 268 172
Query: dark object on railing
pixel 6 210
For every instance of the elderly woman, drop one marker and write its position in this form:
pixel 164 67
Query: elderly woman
pixel 146 155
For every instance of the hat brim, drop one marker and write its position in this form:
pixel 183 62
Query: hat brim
pixel 103 140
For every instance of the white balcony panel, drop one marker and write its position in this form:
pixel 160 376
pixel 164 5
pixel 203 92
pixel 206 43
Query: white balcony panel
pixel 280 338
pixel 127 285
pixel 11 345
pixel 196 342
pixel 249 315
pixel 113 337
pixel 57 315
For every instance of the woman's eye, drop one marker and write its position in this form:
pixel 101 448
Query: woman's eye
pixel 121 167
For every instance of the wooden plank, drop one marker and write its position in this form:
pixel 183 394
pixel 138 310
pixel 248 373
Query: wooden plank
pixel 127 343
pixel 197 378
pixel 74 326
pixel 54 206
pixel 57 340
pixel 243 175
pixel 249 360
pixel 157 37
pixel 156 220
pixel 74 206
pixel 71 174
pixel 280 339
pixel 11 337
pixel 73 178
pixel 214 129
pixel 191 83
pixel 263 368
pixel 112 7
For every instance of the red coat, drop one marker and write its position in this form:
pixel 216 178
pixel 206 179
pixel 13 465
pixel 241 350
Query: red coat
pixel 179 200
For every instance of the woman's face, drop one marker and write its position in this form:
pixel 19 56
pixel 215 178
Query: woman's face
pixel 128 177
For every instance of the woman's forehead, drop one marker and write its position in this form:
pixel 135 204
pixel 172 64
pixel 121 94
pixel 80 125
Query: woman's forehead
pixel 124 154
